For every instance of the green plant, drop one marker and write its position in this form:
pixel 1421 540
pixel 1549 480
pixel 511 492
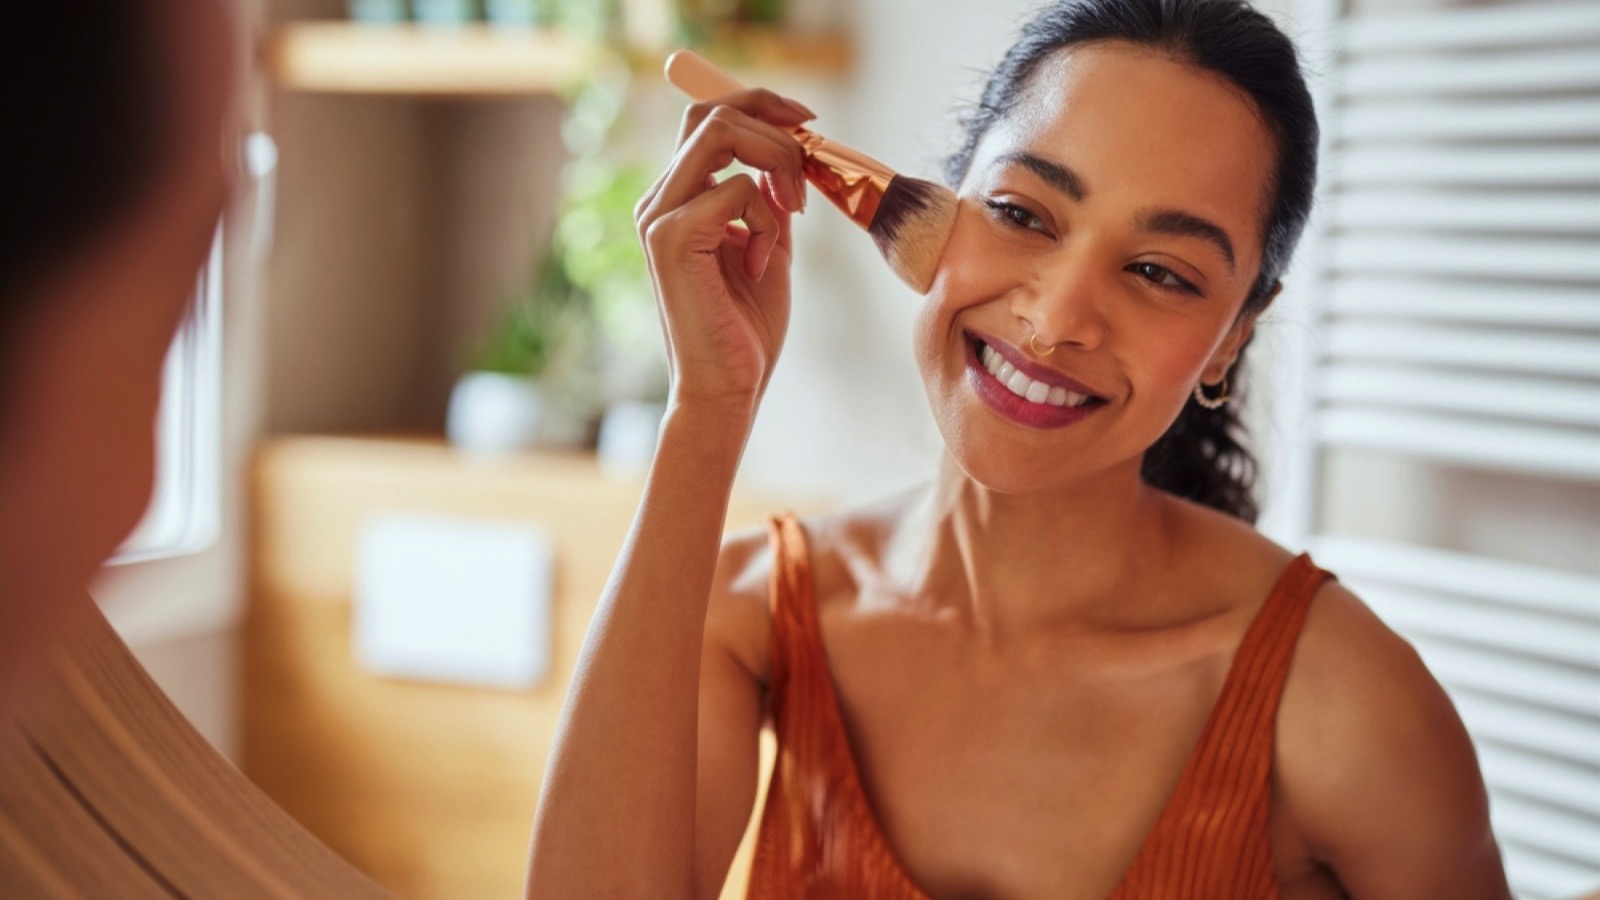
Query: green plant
pixel 539 320
pixel 592 286
pixel 599 251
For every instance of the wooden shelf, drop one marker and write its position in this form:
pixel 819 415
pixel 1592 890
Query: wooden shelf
pixel 479 60
pixel 769 49
pixel 342 57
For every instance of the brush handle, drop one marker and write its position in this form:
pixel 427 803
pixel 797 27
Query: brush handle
pixel 696 76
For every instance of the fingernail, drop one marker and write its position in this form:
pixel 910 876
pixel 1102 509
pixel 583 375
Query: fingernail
pixel 799 108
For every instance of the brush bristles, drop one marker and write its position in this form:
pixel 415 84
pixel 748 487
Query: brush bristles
pixel 911 227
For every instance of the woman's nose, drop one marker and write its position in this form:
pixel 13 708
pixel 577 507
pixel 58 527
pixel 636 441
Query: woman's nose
pixel 1062 306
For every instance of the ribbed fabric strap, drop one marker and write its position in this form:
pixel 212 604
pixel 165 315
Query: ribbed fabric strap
pixel 1212 842
pixel 818 836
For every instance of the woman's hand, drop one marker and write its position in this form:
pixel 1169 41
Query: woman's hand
pixel 719 252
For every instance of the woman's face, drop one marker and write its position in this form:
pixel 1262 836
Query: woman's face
pixel 1116 213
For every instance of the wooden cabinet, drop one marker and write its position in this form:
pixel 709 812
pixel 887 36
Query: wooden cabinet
pixel 481 60
pixel 429 788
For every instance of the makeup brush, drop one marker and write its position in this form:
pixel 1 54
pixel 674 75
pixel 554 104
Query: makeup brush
pixel 909 219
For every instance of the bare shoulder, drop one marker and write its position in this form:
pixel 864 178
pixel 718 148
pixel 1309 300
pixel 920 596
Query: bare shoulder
pixel 848 546
pixel 1374 765
pixel 738 619
pixel 844 547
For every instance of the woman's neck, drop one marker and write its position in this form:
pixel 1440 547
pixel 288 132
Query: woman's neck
pixel 1071 558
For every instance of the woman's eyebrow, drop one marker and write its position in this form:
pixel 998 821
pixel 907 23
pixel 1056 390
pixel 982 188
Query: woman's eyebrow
pixel 1156 221
pixel 1055 174
pixel 1177 222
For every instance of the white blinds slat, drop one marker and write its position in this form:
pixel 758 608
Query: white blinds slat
pixel 1554 830
pixel 1535 306
pixel 1530 450
pixel 1517 725
pixel 1538 400
pixel 1461 28
pixel 1463 574
pixel 1502 212
pixel 1513 631
pixel 1549 259
pixel 1514 119
pixel 1561 355
pixel 1488 670
pixel 1567 167
pixel 1541 778
pixel 1538 70
pixel 1540 875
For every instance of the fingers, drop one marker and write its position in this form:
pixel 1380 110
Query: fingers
pixel 727 135
pixel 750 127
pixel 705 222
pixel 759 103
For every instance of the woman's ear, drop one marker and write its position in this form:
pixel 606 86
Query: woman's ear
pixel 1221 362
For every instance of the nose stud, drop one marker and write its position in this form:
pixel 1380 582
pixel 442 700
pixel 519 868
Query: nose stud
pixel 1033 344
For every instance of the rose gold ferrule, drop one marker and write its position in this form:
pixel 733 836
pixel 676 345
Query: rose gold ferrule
pixel 854 181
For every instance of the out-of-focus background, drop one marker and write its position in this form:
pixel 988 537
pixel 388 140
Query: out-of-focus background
pixel 403 435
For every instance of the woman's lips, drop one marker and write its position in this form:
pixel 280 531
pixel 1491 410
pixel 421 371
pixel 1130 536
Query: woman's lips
pixel 1057 401
pixel 1028 367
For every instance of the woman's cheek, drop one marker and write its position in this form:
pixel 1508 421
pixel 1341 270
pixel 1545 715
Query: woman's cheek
pixel 1173 366
pixel 976 266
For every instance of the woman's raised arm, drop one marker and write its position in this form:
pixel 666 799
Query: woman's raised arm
pixel 618 810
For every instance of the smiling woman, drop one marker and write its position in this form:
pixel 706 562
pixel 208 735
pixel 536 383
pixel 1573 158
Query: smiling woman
pixel 1068 666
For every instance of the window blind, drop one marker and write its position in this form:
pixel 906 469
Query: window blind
pixel 1454 323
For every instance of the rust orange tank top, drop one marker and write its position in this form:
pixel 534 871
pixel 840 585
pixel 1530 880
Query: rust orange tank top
pixel 819 838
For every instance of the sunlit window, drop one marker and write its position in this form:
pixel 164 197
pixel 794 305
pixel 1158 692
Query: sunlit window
pixel 185 507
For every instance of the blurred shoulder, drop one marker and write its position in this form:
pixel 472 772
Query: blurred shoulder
pixel 1373 763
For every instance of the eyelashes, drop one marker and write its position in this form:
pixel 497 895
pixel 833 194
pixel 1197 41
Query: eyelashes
pixel 1019 218
pixel 1015 216
pixel 1163 277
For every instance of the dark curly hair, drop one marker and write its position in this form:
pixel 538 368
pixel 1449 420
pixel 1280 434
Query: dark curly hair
pixel 1203 455
pixel 79 128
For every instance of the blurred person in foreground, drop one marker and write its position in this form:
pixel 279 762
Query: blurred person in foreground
pixel 111 184
pixel 1067 667
pixel 115 165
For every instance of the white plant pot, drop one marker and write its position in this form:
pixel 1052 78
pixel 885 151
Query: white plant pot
pixel 628 437
pixel 386 12
pixel 492 414
pixel 444 13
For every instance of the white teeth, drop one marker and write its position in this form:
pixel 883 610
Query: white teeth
pixel 1025 387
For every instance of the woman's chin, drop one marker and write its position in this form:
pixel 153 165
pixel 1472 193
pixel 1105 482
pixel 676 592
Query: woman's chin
pixel 1005 469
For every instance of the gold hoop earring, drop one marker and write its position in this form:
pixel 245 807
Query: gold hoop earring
pixel 1216 402
pixel 1033 344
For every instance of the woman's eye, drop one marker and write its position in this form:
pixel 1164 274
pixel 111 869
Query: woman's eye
pixel 1015 216
pixel 1163 277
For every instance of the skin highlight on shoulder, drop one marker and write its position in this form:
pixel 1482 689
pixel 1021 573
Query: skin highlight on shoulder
pixel 738 617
